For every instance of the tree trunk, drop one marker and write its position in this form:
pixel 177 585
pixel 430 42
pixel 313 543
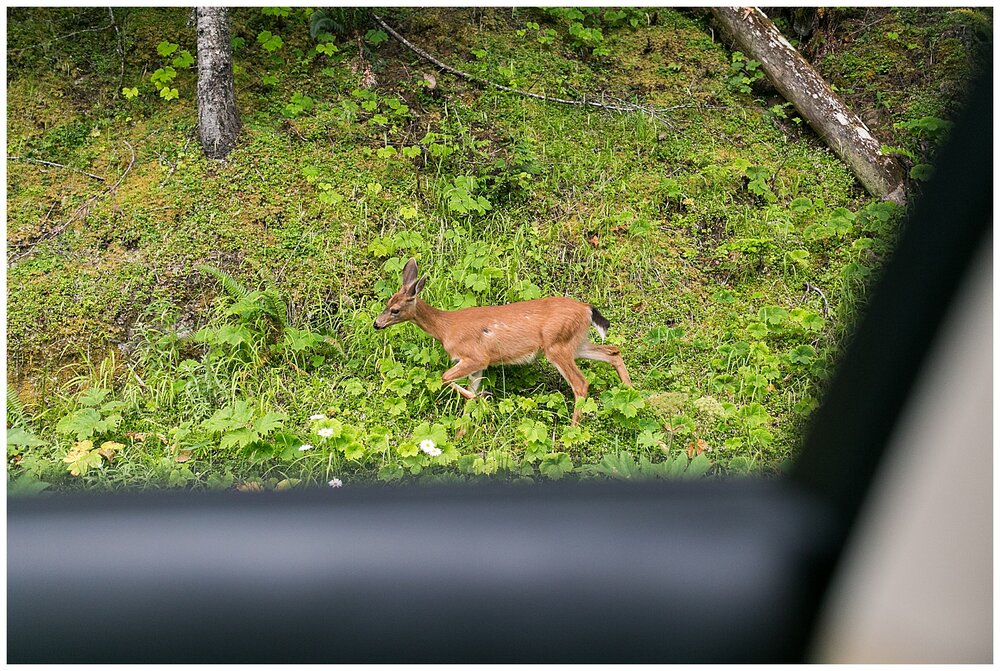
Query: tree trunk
pixel 218 118
pixel 802 86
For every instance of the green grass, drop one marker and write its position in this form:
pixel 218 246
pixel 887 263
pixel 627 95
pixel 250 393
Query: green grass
pixel 701 270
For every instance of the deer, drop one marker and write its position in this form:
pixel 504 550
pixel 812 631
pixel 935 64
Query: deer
pixel 512 334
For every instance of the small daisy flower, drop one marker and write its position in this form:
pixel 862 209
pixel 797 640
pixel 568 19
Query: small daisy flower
pixel 318 416
pixel 305 446
pixel 427 445
pixel 434 451
pixel 336 482
pixel 325 432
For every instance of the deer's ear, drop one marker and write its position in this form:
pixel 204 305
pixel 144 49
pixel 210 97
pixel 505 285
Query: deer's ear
pixel 416 287
pixel 409 272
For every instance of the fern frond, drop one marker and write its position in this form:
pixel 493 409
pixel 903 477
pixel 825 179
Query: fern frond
pixel 16 414
pixel 275 306
pixel 337 20
pixel 229 284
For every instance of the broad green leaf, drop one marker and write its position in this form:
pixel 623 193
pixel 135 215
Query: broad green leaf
pixel 376 37
pixel 535 451
pixel 427 431
pixel 773 316
pixel 26 485
pixel 353 449
pixel 82 423
pixel 574 435
pixel 390 473
pixel 621 466
pixel 698 466
pixel 682 425
pixel 408 448
pixel 554 466
pixel 649 438
pixel 18 437
pixel 799 257
pixel 534 432
pixel 269 422
pixel 487 466
pixel 800 205
pixel 239 438
pixel 165 48
pixel 93 397
pixel 753 415
pixel 183 60
pixel 803 354
pixel 82 458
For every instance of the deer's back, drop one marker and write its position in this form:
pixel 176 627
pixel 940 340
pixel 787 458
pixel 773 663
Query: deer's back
pixel 515 332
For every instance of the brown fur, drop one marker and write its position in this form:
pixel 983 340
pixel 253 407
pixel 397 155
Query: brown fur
pixel 476 338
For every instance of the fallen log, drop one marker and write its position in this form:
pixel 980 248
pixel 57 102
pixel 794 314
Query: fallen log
pixel 826 113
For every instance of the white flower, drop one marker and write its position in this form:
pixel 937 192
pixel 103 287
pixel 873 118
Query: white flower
pixel 319 416
pixel 427 445
pixel 305 446
pixel 336 482
pixel 325 432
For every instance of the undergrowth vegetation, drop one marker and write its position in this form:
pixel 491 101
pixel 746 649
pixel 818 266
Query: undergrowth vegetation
pixel 209 324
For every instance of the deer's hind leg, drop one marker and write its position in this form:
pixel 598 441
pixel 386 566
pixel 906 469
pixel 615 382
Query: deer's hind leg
pixel 608 354
pixel 564 359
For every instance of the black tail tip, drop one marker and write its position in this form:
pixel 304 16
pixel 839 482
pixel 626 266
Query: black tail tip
pixel 599 320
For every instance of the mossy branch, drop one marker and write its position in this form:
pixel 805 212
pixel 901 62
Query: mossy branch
pixel 623 107
pixel 80 213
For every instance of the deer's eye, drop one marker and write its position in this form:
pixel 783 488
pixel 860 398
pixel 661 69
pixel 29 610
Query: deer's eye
pixel 394 311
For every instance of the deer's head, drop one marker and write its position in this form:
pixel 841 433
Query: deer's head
pixel 402 305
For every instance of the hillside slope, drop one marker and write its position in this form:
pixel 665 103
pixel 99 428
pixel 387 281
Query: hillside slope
pixel 727 246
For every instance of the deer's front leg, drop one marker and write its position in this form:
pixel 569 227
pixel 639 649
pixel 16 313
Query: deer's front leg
pixel 470 369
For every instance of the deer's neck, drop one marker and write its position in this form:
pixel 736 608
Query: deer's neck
pixel 431 320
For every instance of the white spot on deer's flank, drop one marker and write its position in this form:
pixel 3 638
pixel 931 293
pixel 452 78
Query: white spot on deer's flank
pixel 863 132
pixel 841 118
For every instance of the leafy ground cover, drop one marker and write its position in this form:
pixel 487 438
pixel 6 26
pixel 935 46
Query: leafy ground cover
pixel 208 324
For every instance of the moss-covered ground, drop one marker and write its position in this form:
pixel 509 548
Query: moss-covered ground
pixel 726 244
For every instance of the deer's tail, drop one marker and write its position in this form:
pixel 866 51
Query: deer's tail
pixel 599 321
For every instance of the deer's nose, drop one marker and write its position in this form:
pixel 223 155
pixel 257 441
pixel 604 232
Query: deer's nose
pixel 377 327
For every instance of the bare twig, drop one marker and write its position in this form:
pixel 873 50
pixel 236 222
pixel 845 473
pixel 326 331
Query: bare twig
pixel 79 212
pixel 63 37
pixel 826 304
pixel 55 165
pixel 655 113
pixel 127 168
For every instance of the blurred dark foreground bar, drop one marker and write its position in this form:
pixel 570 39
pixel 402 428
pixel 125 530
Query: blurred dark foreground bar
pixel 570 572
